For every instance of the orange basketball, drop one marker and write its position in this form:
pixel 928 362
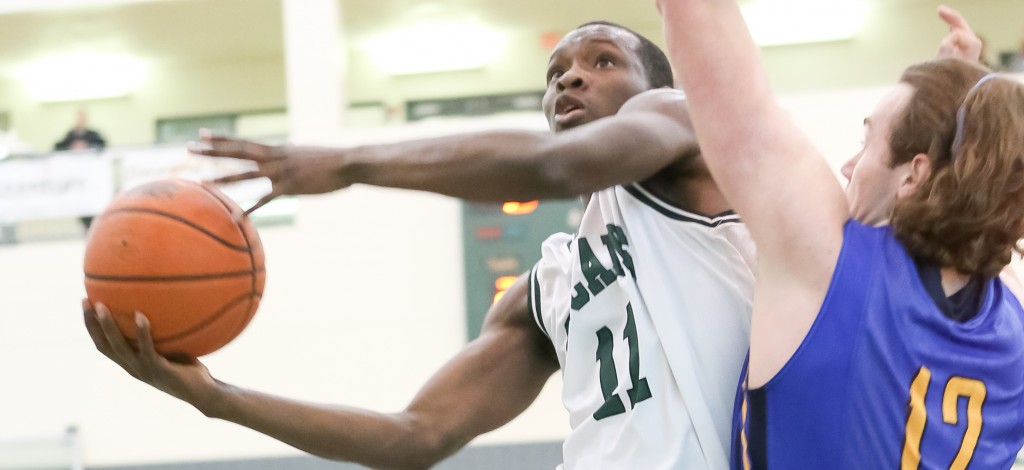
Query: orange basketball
pixel 183 254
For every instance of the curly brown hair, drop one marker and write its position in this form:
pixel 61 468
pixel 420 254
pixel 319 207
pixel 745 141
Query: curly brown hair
pixel 969 213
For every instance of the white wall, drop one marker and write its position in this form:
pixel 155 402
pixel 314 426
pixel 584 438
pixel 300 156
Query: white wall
pixel 171 90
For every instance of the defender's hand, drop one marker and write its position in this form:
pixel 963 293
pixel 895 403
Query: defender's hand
pixel 960 42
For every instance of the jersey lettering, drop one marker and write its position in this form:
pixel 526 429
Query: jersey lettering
pixel 595 274
pixel 616 243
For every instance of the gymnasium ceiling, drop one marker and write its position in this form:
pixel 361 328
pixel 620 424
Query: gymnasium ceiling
pixel 161 31
pixel 173 31
pixel 216 30
pixel 211 31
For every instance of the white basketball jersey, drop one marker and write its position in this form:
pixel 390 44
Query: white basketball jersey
pixel 648 308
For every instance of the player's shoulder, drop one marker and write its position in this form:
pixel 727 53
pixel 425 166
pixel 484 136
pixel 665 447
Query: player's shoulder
pixel 558 241
pixel 659 100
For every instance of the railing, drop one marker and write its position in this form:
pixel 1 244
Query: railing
pixel 56 452
pixel 82 183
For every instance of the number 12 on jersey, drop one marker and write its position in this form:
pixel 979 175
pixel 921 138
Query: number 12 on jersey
pixel 639 391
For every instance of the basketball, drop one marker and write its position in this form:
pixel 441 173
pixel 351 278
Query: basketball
pixel 183 254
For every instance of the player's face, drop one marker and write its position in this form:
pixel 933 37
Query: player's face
pixel 873 182
pixel 592 72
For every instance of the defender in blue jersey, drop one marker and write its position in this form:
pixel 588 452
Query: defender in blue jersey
pixel 882 336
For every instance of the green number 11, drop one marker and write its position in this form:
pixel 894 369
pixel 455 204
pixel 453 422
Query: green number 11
pixel 640 391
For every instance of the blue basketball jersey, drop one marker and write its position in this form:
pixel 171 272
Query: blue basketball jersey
pixel 884 380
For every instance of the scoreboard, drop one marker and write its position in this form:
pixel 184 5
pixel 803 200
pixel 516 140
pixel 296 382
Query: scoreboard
pixel 501 242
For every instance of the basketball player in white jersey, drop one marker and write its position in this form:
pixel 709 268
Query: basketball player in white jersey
pixel 646 309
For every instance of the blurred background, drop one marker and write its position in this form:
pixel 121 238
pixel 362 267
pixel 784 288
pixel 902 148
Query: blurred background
pixel 369 290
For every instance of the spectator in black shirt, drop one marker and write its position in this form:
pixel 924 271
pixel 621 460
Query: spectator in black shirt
pixel 81 137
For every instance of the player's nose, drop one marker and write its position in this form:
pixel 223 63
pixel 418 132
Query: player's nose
pixel 572 78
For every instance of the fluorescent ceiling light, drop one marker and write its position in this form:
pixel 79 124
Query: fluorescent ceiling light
pixel 783 22
pixel 82 77
pixel 434 46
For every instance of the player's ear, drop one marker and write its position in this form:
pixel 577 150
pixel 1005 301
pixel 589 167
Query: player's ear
pixel 918 171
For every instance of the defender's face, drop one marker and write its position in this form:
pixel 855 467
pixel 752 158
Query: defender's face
pixel 593 71
pixel 873 182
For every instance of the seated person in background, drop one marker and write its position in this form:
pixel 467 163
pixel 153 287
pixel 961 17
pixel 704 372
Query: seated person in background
pixel 81 137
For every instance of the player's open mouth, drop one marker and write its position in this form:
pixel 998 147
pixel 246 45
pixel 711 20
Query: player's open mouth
pixel 571 115
pixel 567 110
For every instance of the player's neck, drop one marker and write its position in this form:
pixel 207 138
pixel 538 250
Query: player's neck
pixel 693 193
pixel 708 199
pixel 700 195
pixel 953 280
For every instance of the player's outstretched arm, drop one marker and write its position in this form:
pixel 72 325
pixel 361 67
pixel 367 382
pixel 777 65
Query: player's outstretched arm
pixel 489 166
pixel 487 384
pixel 770 172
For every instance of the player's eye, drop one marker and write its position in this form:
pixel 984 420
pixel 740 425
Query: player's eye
pixel 604 61
pixel 554 74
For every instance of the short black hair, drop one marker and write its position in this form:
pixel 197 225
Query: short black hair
pixel 656 66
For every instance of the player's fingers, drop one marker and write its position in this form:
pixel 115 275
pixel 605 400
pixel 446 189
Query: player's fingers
pixel 239 177
pixel 263 201
pixel 145 337
pixel 92 325
pixel 122 352
pixel 225 146
pixel 947 47
pixel 222 148
pixel 264 152
pixel 150 360
pixel 953 18
pixel 962 45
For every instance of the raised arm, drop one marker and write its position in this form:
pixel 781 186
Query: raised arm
pixel 960 42
pixel 644 137
pixel 770 172
pixel 758 156
pixel 488 383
